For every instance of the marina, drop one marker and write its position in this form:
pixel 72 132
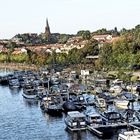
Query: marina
pixel 48 111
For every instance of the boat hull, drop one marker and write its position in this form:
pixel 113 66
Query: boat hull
pixel 29 96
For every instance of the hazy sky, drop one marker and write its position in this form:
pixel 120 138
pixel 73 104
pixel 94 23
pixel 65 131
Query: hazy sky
pixel 66 16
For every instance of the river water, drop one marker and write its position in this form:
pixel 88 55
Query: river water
pixel 22 119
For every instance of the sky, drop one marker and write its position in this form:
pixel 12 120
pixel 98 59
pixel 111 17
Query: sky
pixel 66 16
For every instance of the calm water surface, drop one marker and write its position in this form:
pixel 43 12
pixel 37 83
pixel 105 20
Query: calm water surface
pixel 21 119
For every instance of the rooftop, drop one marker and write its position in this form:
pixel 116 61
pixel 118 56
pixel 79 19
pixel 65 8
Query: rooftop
pixel 75 114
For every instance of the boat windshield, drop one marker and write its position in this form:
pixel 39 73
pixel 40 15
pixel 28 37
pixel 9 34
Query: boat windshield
pixel 79 119
pixel 51 103
pixel 96 117
pixel 102 101
pixel 114 116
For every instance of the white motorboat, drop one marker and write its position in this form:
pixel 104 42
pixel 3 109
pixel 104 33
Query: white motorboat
pixel 122 104
pixel 14 83
pixel 115 89
pixel 29 92
pixel 75 121
pixel 129 135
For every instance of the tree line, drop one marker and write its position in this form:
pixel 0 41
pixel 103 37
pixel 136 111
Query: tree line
pixel 120 54
pixel 123 53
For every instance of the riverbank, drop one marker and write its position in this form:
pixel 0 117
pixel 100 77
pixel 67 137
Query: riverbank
pixel 18 66
pixel 22 66
pixel 90 67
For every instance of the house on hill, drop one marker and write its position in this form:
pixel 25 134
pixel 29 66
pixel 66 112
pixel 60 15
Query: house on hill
pixel 19 51
pixel 102 37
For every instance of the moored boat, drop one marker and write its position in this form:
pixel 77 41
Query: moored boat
pixel 54 108
pixel 111 117
pixel 40 92
pixel 122 104
pixel 129 135
pixel 75 121
pixel 14 83
pixel 71 106
pixel 29 92
pixel 50 106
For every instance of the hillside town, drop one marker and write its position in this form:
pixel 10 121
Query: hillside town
pixel 36 43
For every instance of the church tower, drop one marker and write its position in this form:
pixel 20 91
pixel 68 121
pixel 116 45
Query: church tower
pixel 47 31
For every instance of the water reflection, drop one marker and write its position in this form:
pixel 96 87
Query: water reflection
pixel 50 118
pixel 53 115
pixel 30 102
pixel 75 135
pixel 5 72
pixel 14 91
pixel 81 135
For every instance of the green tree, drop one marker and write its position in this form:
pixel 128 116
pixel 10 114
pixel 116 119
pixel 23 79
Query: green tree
pixel 10 46
pixel 63 38
pixel 101 32
pixel 105 55
pixel 80 33
pixel 91 48
pixel 86 35
pixel 123 76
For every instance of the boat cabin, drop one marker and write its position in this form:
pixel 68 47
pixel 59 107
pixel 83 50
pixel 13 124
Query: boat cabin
pixel 100 102
pixel 75 121
pixel 111 117
pixel 93 119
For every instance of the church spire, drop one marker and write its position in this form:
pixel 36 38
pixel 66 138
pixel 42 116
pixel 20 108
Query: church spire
pixel 47 24
pixel 47 30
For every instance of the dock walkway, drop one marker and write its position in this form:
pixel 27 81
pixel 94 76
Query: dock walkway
pixel 97 128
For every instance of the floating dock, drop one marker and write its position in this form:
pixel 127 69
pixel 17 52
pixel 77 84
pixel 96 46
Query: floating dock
pixel 101 130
